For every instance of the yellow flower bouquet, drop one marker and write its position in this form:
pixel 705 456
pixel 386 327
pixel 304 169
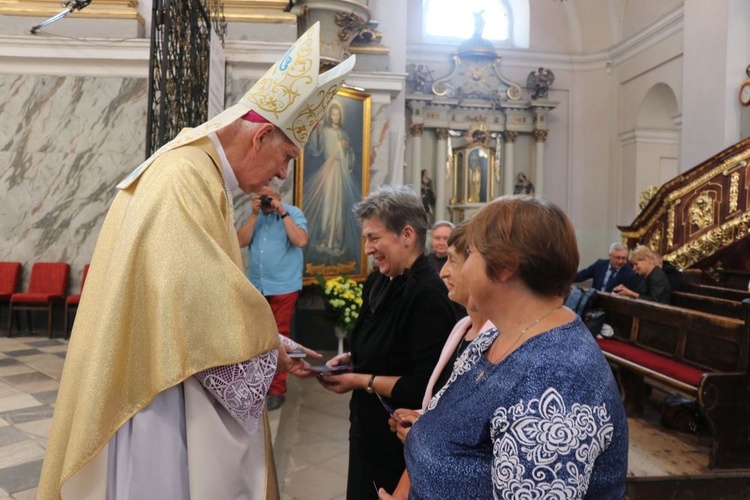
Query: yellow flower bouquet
pixel 343 299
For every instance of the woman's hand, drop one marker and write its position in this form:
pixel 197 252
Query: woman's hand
pixel 344 382
pixel 401 421
pixel 345 358
pixel 624 291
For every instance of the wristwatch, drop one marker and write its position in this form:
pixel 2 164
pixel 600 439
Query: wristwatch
pixel 285 214
pixel 369 388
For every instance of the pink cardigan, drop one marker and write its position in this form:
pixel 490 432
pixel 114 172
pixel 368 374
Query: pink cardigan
pixel 451 344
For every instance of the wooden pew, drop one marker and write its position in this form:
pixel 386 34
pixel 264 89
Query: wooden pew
pixel 708 304
pixel 702 355
pixel 717 292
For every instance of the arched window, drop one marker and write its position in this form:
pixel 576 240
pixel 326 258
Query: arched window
pixel 506 22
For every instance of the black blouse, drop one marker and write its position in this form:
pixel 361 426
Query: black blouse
pixel 401 330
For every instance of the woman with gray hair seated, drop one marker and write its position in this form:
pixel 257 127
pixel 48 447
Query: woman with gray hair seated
pixel 404 321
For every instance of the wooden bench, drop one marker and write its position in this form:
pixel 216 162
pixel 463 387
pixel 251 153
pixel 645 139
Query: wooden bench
pixel 707 304
pixel 699 354
pixel 717 292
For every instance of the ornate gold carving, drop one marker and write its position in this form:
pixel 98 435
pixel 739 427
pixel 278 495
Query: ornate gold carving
pixel 540 135
pixel 701 210
pixel 510 136
pixel 350 23
pixel 711 242
pixel 734 192
pixel 670 227
pixel 441 134
pixel 416 129
pixel 646 196
pixel 477 135
pixel 654 242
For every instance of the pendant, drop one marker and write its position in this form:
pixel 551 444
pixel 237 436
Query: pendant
pixel 481 375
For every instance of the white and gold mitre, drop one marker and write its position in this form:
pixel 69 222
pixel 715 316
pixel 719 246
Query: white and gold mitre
pixel 291 95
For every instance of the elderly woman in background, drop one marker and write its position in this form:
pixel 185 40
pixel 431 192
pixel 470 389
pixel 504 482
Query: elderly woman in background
pixel 463 333
pixel 655 286
pixel 403 324
pixel 533 412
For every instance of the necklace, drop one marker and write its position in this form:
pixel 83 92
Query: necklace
pixel 533 324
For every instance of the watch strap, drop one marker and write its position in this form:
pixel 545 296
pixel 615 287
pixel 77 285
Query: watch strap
pixel 369 389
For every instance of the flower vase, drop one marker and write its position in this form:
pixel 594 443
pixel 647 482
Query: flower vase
pixel 341 335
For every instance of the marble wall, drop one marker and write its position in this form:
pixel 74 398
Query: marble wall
pixel 64 143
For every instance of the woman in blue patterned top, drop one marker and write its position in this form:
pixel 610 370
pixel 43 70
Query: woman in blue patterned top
pixel 531 409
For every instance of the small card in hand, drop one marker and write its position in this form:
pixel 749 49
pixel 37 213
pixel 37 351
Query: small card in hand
pixel 391 411
pixel 322 370
pixel 297 353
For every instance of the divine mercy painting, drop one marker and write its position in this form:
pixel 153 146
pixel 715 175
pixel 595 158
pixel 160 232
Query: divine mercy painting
pixel 334 171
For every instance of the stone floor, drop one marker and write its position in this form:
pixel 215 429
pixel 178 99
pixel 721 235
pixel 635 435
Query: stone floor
pixel 310 430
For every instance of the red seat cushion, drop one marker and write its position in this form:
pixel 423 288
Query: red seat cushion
pixel 33 298
pixel 73 300
pixel 5 296
pixel 674 369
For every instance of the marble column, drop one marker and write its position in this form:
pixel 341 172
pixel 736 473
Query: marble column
pixel 508 177
pixel 541 138
pixel 440 183
pixel 416 130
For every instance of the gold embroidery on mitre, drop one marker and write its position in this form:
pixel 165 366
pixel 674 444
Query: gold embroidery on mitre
pixel 306 119
pixel 277 90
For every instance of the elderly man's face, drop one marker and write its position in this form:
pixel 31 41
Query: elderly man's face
pixel 618 258
pixel 263 162
pixel 440 237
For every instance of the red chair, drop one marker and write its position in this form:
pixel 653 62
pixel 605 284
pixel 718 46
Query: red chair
pixel 71 303
pixel 48 284
pixel 9 274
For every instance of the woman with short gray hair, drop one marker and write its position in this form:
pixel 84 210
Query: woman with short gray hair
pixel 404 321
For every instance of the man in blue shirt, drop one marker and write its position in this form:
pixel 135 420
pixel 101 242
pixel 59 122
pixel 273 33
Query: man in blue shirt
pixel 276 233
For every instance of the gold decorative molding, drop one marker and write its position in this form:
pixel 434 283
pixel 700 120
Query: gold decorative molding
pixel 100 9
pixel 711 242
pixel 510 136
pixel 737 159
pixel 654 242
pixel 701 210
pixel 258 11
pixel 441 134
pixel 734 192
pixel 416 129
pixel 670 226
pixel 369 49
pixel 646 196
pixel 540 135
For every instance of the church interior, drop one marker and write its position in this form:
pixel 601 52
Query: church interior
pixel 632 115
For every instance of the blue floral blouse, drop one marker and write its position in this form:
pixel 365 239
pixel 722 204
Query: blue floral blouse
pixel 546 422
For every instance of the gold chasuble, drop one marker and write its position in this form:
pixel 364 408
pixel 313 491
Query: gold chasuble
pixel 166 297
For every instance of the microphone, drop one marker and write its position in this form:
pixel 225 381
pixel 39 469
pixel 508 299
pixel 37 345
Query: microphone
pixel 70 6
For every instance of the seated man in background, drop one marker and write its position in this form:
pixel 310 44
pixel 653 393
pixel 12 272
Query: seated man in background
pixel 606 274
pixel 674 275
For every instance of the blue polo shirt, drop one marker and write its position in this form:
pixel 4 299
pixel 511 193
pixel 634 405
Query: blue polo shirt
pixel 275 263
